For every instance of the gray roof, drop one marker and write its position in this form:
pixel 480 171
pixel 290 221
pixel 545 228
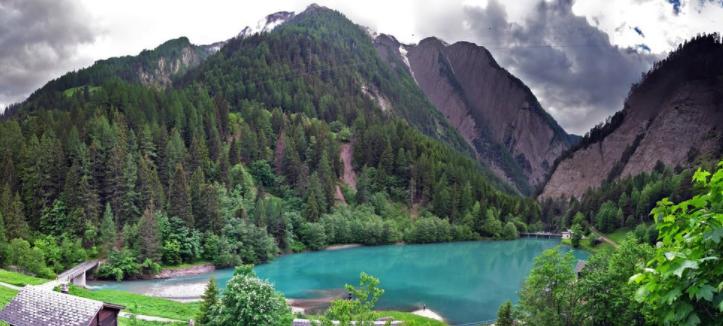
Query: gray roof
pixel 580 266
pixel 36 306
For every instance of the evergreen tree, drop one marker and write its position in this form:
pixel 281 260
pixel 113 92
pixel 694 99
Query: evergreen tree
pixel 315 199
pixel 15 223
pixel 150 189
pixel 129 210
pixel 149 236
pixel 208 303
pixel 504 315
pixel 107 235
pixel 179 197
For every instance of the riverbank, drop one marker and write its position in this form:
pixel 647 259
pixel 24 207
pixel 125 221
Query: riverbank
pixel 343 246
pixel 428 313
pixel 185 270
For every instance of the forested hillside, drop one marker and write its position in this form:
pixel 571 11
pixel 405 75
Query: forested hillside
pixel 238 160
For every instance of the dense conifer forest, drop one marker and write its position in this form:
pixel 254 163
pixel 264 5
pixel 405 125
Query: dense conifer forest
pixel 236 164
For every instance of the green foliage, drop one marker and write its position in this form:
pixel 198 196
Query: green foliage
pixel 504 315
pixel 605 295
pixel 576 235
pixel 509 232
pixel 210 300
pixel 682 283
pixel 120 265
pixel 312 235
pixel 359 307
pixel 28 259
pixel 548 296
pixel 248 300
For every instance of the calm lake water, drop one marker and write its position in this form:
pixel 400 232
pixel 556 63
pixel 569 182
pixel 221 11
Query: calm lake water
pixel 463 281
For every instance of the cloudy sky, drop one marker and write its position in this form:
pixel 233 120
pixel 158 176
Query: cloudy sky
pixel 579 57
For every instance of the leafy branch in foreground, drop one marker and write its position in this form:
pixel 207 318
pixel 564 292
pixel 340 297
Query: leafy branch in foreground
pixel 684 281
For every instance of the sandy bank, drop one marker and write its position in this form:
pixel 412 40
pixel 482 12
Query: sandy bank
pixel 186 271
pixel 343 246
pixel 429 314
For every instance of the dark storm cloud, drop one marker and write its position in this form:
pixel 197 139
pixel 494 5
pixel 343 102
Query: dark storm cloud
pixel 38 41
pixel 571 65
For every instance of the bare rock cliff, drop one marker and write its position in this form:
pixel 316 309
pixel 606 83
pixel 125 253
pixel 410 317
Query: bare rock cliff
pixel 493 110
pixel 675 116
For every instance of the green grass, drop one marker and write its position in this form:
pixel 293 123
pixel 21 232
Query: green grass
pixel 6 295
pixel 619 235
pixel 19 279
pixel 71 91
pixel 141 304
pixel 409 318
pixel 130 322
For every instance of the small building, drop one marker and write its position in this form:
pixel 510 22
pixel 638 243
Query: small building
pixel 579 267
pixel 567 234
pixel 37 306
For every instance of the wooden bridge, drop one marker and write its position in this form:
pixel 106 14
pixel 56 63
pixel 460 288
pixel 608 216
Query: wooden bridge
pixel 541 235
pixel 76 275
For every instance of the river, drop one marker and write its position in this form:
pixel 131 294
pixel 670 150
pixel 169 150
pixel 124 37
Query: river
pixel 463 281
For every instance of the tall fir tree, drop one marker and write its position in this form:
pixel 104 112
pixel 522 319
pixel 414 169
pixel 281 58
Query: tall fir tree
pixel 107 232
pixel 179 197
pixel 149 236
pixel 208 303
pixel 15 224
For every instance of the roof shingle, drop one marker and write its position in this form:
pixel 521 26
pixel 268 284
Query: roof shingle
pixel 35 306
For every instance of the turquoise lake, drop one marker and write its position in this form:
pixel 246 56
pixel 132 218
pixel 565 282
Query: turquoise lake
pixel 463 281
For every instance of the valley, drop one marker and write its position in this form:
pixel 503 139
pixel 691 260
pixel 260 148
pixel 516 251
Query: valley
pixel 237 166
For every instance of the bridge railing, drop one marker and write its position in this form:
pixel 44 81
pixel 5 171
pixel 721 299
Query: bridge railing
pixel 77 270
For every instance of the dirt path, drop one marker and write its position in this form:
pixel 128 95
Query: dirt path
pixel 603 237
pixel 349 177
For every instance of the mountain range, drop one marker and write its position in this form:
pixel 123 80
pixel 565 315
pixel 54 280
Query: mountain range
pixel 456 93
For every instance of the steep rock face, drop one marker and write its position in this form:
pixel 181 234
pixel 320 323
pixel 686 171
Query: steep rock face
pixel 159 72
pixel 674 116
pixel 494 111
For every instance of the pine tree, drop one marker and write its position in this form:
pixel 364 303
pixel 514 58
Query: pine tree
pixel 150 188
pixel 79 193
pixel 149 236
pixel 107 235
pixel 179 197
pixel 327 179
pixel 129 210
pixel 197 196
pixel 315 199
pixel 504 315
pixel 210 300
pixel 3 235
pixel 15 224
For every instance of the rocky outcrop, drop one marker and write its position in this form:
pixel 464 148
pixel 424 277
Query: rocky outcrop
pixel 159 71
pixel 675 116
pixel 493 110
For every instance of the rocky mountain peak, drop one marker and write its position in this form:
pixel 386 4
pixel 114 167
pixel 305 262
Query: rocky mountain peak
pixel 673 116
pixel 493 110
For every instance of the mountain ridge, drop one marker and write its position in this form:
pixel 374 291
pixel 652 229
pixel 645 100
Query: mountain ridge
pixel 463 81
pixel 673 116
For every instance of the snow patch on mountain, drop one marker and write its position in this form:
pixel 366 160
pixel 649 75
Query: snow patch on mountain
pixel 267 24
pixel 405 59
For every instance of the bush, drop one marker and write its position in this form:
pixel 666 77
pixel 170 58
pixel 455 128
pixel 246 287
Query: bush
pixel 312 235
pixel 509 232
pixel 28 259
pixel 121 264
pixel 248 300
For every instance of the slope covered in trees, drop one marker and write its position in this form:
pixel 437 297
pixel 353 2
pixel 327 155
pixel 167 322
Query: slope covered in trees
pixel 217 170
